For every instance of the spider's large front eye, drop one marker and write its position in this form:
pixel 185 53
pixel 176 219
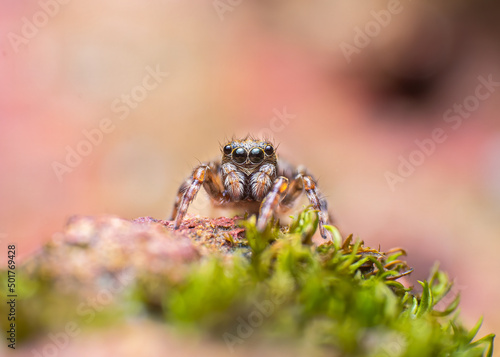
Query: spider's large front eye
pixel 227 149
pixel 256 155
pixel 269 150
pixel 240 155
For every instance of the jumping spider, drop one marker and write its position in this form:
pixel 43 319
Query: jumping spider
pixel 251 177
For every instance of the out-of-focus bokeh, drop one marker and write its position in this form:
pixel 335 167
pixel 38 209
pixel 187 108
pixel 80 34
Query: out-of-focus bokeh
pixel 106 106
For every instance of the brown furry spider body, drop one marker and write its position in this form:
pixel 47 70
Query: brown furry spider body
pixel 250 176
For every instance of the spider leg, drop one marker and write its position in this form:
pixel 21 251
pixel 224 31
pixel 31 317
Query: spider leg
pixel 202 175
pixel 272 201
pixel 303 182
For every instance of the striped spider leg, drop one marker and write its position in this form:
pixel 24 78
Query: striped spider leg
pixel 204 175
pixel 282 196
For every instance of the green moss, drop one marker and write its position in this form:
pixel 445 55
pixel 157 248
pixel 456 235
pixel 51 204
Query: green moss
pixel 340 297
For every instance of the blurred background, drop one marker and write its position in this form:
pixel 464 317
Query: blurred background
pixel 106 106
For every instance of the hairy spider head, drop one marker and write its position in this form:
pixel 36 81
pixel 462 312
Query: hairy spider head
pixel 248 155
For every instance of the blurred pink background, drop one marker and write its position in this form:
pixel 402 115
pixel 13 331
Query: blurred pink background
pixel 65 67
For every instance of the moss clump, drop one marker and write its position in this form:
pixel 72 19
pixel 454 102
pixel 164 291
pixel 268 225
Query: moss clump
pixel 338 298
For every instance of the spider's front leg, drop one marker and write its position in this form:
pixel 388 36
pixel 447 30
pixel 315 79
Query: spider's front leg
pixel 272 201
pixel 202 175
pixel 304 182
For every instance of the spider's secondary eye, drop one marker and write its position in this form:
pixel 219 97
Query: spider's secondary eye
pixel 256 155
pixel 227 149
pixel 269 150
pixel 240 155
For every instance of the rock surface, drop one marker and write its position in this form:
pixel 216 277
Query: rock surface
pixel 93 261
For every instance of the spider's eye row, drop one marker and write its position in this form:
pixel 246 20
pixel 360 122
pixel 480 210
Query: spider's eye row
pixel 239 155
pixel 227 149
pixel 269 150
pixel 256 155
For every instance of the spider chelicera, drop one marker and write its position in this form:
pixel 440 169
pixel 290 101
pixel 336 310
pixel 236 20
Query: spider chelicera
pixel 249 176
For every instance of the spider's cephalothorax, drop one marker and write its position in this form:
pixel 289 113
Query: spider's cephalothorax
pixel 251 177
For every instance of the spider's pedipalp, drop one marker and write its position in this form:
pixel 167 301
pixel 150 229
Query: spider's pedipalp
pixel 261 181
pixel 234 181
